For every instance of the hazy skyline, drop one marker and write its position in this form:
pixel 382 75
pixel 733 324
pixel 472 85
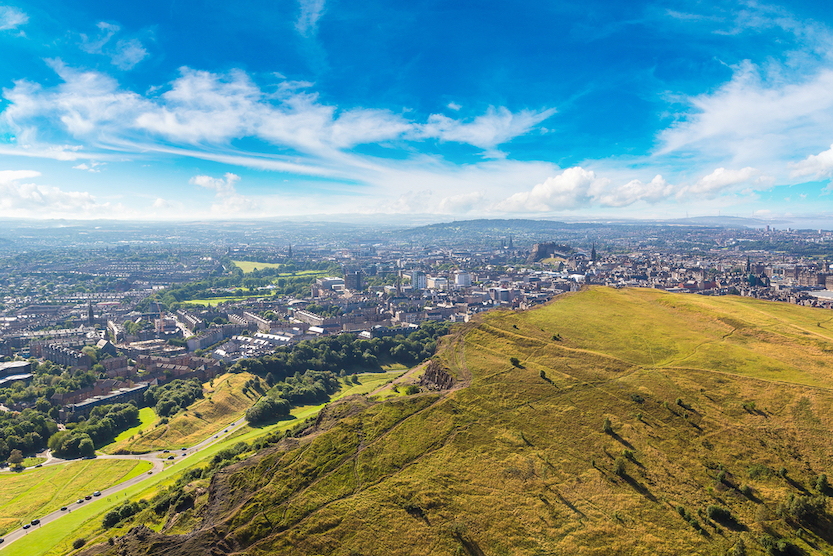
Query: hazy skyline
pixel 189 110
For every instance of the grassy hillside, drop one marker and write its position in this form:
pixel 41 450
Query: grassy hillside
pixel 223 403
pixel 635 422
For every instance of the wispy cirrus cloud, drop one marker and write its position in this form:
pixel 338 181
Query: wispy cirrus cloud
pixel 310 12
pixel 124 53
pixel 12 18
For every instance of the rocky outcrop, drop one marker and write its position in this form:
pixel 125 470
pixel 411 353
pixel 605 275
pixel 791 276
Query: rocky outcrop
pixel 436 377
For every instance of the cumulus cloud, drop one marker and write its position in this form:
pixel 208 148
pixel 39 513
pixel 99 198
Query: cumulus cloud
pixel 310 12
pixel 30 199
pixel 635 190
pixel 720 180
pixel 12 18
pixel 816 166
pixel 571 189
pixel 454 106
pixel 227 199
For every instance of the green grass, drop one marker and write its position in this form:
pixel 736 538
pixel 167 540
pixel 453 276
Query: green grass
pixel 34 493
pixel 146 418
pixel 249 266
pixel 31 462
pixel 516 463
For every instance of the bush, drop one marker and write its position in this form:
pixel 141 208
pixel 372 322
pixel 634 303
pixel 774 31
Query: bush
pixel 515 361
pixel 821 484
pixel 607 427
pixel 803 509
pixel 619 466
pixel 78 543
pixel 411 389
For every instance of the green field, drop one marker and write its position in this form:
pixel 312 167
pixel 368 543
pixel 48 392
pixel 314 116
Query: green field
pixel 146 418
pixel 249 266
pixel 709 402
pixel 34 493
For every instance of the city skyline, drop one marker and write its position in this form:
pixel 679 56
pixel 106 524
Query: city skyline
pixel 198 111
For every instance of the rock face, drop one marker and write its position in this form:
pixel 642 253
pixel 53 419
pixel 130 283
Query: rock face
pixel 542 251
pixel 436 378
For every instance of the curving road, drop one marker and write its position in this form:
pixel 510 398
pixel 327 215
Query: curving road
pixel 158 460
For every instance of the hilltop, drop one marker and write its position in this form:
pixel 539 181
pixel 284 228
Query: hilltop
pixel 606 422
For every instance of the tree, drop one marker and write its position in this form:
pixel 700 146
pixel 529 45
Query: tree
pixel 515 361
pixel 16 458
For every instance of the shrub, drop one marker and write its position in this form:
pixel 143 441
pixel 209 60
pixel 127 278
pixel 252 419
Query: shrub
pixel 78 543
pixel 619 466
pixel 411 389
pixel 746 490
pixel 515 361
pixel 805 509
pixel 758 470
pixel 821 484
pixel 637 398
pixel 607 427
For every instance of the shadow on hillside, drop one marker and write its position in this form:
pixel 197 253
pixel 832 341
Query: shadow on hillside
pixel 569 504
pixel 622 441
pixel 470 546
pixel 639 487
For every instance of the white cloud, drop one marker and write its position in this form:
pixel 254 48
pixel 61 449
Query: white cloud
pixel 720 180
pixel 495 127
pixel 762 119
pixel 33 200
pixel 128 53
pixel 462 203
pixel 817 166
pixel 310 12
pixel 568 190
pixel 227 200
pixel 12 18
pixel 91 167
pixel 124 55
pixel 635 190
pixel 454 106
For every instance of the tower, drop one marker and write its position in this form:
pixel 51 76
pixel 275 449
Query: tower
pixel 593 253
pixel 289 253
pixel 90 315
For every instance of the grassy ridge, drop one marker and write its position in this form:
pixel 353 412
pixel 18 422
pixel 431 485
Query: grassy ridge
pixel 704 396
pixel 224 402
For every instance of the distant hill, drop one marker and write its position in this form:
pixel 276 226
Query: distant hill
pixel 607 422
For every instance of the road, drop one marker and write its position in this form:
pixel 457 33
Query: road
pixel 158 460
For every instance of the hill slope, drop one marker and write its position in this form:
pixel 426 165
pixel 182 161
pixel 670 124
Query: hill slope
pixel 711 403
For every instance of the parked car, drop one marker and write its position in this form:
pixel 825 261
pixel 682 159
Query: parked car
pixel 35 521
pixel 2 540
pixel 170 457
pixel 97 493
pixel 39 465
pixel 26 525
pixel 80 501
pixel 88 497
pixel 63 508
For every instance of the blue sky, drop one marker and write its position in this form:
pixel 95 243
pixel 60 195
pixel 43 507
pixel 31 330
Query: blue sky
pixel 172 110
